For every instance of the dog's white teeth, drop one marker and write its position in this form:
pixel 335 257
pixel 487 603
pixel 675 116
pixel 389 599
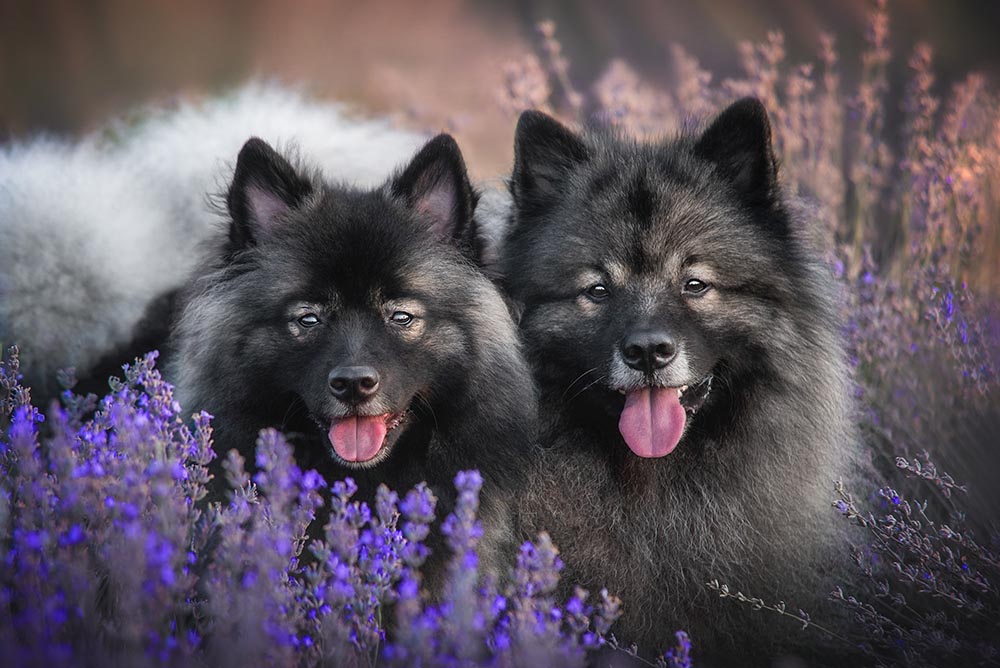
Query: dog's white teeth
pixel 621 391
pixel 684 388
pixel 680 392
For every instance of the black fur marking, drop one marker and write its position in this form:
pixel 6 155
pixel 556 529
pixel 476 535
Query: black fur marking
pixel 640 202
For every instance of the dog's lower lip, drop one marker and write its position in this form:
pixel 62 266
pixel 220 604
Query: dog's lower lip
pixel 393 420
pixel 680 389
pixel 692 395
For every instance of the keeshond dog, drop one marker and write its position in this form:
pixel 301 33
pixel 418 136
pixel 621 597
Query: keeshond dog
pixel 355 321
pixel 96 235
pixel 695 400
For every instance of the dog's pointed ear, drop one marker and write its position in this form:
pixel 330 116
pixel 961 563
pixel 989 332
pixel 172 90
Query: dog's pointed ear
pixel 545 154
pixel 739 143
pixel 265 188
pixel 435 185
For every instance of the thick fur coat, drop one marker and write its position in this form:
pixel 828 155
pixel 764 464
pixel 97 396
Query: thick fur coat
pixel 355 321
pixel 644 271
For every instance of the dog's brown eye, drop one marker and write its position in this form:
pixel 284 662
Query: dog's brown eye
pixel 598 292
pixel 695 287
pixel 401 318
pixel 309 320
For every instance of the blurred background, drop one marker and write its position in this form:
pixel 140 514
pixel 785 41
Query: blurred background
pixel 67 65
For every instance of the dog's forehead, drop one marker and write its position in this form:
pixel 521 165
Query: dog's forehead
pixel 643 224
pixel 653 217
pixel 355 247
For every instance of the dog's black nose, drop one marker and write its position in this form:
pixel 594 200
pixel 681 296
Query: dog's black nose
pixel 648 349
pixel 353 384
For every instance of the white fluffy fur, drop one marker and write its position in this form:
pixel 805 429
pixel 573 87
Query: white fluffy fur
pixel 92 231
pixel 492 223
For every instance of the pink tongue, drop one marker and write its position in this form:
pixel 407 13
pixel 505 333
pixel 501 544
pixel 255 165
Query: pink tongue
pixel 652 421
pixel 358 439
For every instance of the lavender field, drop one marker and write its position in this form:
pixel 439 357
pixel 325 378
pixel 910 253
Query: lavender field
pixel 111 556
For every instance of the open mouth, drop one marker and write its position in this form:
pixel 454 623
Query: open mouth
pixel 359 439
pixel 654 418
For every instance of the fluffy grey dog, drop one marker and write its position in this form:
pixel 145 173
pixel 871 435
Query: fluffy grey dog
pixel 356 322
pixel 93 233
pixel 695 395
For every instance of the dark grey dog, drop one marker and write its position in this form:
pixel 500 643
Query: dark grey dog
pixel 355 321
pixel 695 395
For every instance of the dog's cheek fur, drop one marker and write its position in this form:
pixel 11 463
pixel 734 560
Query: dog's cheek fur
pixel 566 341
pixel 736 319
pixel 441 355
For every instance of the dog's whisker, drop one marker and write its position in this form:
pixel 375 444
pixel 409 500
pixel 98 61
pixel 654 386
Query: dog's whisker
pixel 294 408
pixel 430 409
pixel 576 380
pixel 588 386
